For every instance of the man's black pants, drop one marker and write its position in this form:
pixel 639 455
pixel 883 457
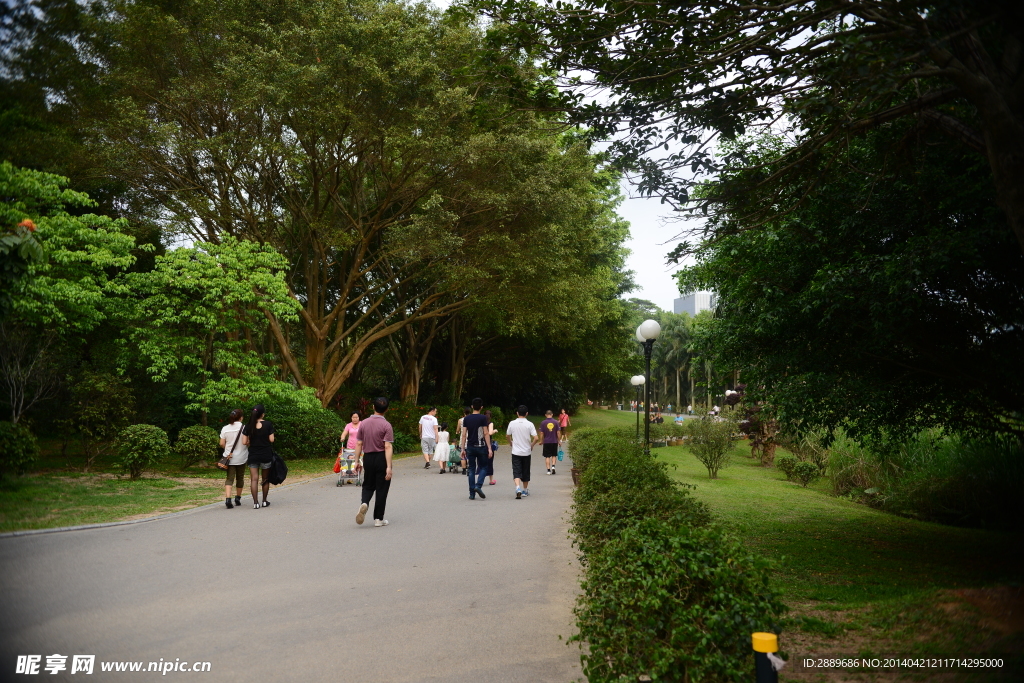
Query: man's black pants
pixel 375 468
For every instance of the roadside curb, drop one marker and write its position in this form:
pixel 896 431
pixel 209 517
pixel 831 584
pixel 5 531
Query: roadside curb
pixel 168 515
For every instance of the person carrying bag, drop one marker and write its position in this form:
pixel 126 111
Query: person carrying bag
pixel 234 458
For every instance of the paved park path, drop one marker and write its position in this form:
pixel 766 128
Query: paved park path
pixel 453 590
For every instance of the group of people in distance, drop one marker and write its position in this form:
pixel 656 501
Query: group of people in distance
pixel 369 443
pixel 373 442
pixel 475 431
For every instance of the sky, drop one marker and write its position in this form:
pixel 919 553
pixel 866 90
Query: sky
pixel 648 234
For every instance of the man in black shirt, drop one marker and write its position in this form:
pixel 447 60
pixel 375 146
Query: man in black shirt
pixel 476 435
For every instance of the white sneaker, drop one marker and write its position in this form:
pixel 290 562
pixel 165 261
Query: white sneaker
pixel 380 522
pixel 361 515
pixel 552 470
pixel 549 471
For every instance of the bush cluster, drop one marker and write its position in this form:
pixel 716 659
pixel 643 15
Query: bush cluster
pixel 140 446
pixel 197 443
pixel 404 443
pixel 18 448
pixel 304 431
pixel 805 472
pixel 951 479
pixel 710 441
pixel 665 593
pixel 786 464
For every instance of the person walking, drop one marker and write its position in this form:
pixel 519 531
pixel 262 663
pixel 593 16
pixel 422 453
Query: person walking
pixel 428 436
pixel 374 442
pixel 231 442
pixel 522 437
pixel 476 444
pixel 461 441
pixel 563 425
pixel 549 429
pixel 258 436
pixel 441 449
pixel 349 436
pixel 491 431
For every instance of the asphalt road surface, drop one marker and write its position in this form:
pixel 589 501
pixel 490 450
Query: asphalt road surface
pixel 452 590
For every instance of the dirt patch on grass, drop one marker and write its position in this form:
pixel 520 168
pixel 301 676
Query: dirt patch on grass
pixel 1001 608
pixel 958 623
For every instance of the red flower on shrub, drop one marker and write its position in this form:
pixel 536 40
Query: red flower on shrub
pixel 28 225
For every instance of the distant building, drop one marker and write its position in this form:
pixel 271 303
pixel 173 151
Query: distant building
pixel 694 302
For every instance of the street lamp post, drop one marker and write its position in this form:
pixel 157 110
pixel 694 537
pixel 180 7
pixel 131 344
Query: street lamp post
pixel 646 334
pixel 637 381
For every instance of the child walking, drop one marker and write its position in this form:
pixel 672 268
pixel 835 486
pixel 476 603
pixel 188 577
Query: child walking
pixel 441 449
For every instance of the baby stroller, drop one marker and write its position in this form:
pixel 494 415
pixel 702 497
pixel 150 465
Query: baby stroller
pixel 454 459
pixel 351 468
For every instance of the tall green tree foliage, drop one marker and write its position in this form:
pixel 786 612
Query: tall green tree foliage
pixel 685 75
pixel 365 141
pixel 200 310
pixel 64 292
pixel 892 298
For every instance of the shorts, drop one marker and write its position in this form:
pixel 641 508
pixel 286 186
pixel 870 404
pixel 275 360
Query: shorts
pixel 236 474
pixel 521 467
pixel 261 465
pixel 428 446
pixel 551 450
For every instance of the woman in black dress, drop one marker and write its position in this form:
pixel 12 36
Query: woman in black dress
pixel 258 435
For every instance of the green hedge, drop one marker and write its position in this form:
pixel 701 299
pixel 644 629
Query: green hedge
pixel 665 592
pixel 304 431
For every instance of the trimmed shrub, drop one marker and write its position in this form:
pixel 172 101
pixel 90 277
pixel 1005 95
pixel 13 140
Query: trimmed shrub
pixel 786 465
pixel 18 448
pixel 582 444
pixel 665 594
pixel 140 446
pixel 602 517
pixel 805 473
pixel 303 430
pixel 674 603
pixel 711 442
pixel 404 443
pixel 197 443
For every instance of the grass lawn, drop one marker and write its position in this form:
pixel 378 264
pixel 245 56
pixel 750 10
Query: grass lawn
pixel 860 581
pixel 58 493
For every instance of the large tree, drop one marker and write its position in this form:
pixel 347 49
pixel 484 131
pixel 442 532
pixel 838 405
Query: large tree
pixel 366 141
pixel 63 292
pixel 680 77
pixel 890 300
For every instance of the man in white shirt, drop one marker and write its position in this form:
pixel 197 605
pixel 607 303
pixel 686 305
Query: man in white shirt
pixel 522 437
pixel 428 436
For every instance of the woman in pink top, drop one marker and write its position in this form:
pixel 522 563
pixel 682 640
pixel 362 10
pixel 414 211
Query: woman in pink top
pixel 563 424
pixel 348 449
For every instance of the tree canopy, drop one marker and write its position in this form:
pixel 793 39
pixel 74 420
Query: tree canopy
pixel 681 77
pixel 891 299
pixel 335 195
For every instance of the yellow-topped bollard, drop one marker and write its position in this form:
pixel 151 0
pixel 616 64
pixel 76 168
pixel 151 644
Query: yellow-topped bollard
pixel 765 642
pixel 766 664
